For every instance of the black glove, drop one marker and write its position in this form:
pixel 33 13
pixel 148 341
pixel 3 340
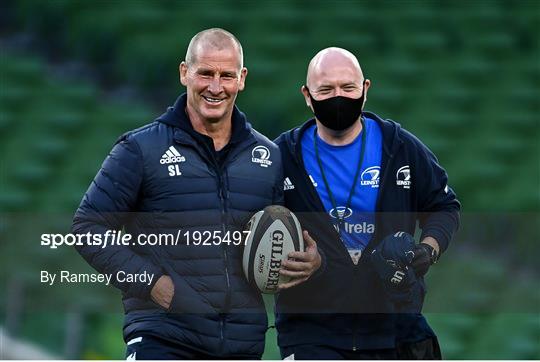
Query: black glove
pixel 424 256
pixel 391 259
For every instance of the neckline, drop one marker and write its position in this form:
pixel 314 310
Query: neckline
pixel 353 143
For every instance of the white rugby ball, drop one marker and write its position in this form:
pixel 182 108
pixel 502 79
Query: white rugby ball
pixel 274 233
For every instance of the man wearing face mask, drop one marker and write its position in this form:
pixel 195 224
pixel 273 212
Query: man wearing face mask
pixel 359 184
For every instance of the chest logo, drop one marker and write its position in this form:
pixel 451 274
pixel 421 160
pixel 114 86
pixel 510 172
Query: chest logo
pixel 171 156
pixel 341 212
pixel 287 184
pixel 403 177
pixel 370 177
pixel 261 156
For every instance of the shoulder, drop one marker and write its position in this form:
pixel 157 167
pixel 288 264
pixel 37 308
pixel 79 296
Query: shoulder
pixel 282 138
pixel 395 131
pixel 292 135
pixel 390 129
pixel 419 153
pixel 263 140
pixel 409 138
pixel 414 144
pixel 144 134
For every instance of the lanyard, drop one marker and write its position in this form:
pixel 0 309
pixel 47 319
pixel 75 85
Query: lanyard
pixel 358 168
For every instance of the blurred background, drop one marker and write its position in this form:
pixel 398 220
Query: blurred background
pixel 464 76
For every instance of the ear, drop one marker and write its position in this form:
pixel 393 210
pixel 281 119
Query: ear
pixel 305 92
pixel 242 81
pixel 367 84
pixel 182 69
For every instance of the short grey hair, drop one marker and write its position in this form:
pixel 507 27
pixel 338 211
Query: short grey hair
pixel 216 38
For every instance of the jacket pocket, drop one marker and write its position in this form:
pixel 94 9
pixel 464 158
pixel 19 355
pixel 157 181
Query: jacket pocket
pixel 185 298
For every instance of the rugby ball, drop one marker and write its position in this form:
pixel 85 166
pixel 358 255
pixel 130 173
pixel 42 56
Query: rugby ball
pixel 274 233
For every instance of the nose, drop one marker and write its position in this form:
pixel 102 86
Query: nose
pixel 338 92
pixel 215 86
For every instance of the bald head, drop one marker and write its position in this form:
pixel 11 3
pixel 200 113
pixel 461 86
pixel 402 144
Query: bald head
pixel 213 39
pixel 331 60
pixel 334 72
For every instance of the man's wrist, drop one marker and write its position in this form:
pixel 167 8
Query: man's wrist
pixel 434 248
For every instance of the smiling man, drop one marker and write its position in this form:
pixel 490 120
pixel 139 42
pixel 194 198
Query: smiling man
pixel 191 170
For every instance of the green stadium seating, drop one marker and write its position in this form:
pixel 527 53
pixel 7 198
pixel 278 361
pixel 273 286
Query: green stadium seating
pixel 463 76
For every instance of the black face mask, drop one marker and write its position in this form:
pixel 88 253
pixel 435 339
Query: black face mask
pixel 338 113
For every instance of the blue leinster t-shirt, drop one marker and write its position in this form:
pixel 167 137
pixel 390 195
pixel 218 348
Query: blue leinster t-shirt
pixel 340 164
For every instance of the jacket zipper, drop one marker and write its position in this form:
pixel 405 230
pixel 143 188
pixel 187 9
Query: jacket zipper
pixel 226 304
pixel 221 193
pixel 355 331
pixel 222 330
pixel 223 196
pixel 355 318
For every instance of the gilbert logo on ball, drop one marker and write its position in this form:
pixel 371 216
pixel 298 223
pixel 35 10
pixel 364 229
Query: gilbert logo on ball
pixel 274 233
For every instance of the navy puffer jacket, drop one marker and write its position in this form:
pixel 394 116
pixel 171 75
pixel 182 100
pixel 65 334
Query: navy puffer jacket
pixel 165 177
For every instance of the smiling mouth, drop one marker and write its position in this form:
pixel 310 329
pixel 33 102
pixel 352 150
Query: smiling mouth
pixel 212 100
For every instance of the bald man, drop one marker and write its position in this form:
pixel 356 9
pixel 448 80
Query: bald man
pixel 192 173
pixel 359 184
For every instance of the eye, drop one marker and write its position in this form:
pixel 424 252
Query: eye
pixel 228 76
pixel 205 74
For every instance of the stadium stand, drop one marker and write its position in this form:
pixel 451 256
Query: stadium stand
pixel 463 76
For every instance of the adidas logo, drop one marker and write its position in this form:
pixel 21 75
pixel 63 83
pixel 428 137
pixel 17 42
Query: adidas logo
pixel 287 184
pixel 172 156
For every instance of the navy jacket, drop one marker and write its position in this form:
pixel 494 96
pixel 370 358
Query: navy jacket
pixel 345 305
pixel 166 177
